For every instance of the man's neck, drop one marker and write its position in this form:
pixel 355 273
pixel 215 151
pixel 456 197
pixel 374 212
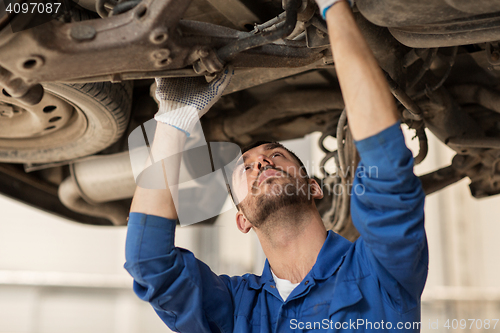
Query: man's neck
pixel 292 247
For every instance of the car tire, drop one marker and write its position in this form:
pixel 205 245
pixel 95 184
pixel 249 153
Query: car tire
pixel 100 115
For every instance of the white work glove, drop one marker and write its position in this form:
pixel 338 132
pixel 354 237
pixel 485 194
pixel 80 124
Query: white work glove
pixel 324 5
pixel 183 101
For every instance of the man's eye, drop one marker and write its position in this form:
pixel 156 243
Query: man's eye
pixel 276 154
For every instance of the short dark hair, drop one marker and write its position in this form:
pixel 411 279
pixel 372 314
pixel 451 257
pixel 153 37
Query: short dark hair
pixel 275 144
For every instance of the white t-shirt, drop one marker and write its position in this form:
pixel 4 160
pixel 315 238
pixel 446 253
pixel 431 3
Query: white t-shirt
pixel 284 287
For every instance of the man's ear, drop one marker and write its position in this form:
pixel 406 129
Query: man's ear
pixel 242 222
pixel 316 190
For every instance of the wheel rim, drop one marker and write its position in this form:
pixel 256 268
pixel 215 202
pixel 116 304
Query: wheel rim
pixel 19 121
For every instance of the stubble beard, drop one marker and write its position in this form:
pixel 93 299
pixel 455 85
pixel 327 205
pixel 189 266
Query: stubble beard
pixel 281 204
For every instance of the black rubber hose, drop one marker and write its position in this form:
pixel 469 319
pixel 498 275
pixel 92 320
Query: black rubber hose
pixel 124 7
pixel 227 52
pixel 423 146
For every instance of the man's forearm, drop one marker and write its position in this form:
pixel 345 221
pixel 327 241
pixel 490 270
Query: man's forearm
pixel 369 103
pixel 168 142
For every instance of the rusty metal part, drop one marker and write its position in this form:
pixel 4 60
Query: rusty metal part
pixel 298 31
pixel 279 56
pixel 306 11
pixel 249 77
pixel 28 121
pixel 281 129
pixel 100 7
pixel 320 24
pixel 207 37
pixel 261 27
pixel 316 37
pixel 476 94
pixel 16 87
pixel 483 170
pixel 446 119
pixel 125 47
pixel 236 12
pixel 403 13
pixel 461 166
pixel 411 57
pixel 296 126
pixel 126 37
pixel 431 56
pixel 467 30
pixel 83 32
pixel 227 52
pixel 244 78
pixel 428 90
pixel 482 142
pixel 439 179
pixel 70 196
pixel 485 97
pixel 463 163
pixel 186 72
pixel 7 111
pixel 286 104
pixel 475 7
pixel 493 53
pixel 104 178
pixel 317 33
pixel 209 62
pixel 105 53
pixel 412 107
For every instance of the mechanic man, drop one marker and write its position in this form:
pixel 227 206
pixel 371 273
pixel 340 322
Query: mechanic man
pixel 313 280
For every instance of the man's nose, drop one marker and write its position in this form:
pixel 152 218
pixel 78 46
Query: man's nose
pixel 262 161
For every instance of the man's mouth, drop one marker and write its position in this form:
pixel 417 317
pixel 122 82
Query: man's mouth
pixel 268 174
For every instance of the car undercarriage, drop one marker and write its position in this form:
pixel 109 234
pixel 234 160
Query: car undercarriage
pixel 77 84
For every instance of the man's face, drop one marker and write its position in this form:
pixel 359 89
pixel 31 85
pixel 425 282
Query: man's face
pixel 268 178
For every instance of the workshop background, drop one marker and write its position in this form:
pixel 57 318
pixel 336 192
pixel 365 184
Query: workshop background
pixel 58 276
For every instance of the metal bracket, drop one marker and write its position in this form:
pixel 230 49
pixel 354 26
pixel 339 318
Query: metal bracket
pixel 493 53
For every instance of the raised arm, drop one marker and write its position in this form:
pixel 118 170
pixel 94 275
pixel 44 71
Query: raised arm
pixel 167 141
pixel 369 103
pixel 387 205
pixel 184 292
pixel 183 101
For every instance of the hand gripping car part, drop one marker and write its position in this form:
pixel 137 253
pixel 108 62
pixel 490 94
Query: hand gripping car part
pixel 184 100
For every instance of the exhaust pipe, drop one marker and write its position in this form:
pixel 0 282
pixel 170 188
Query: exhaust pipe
pixel 104 178
pixel 98 181
pixel 71 197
